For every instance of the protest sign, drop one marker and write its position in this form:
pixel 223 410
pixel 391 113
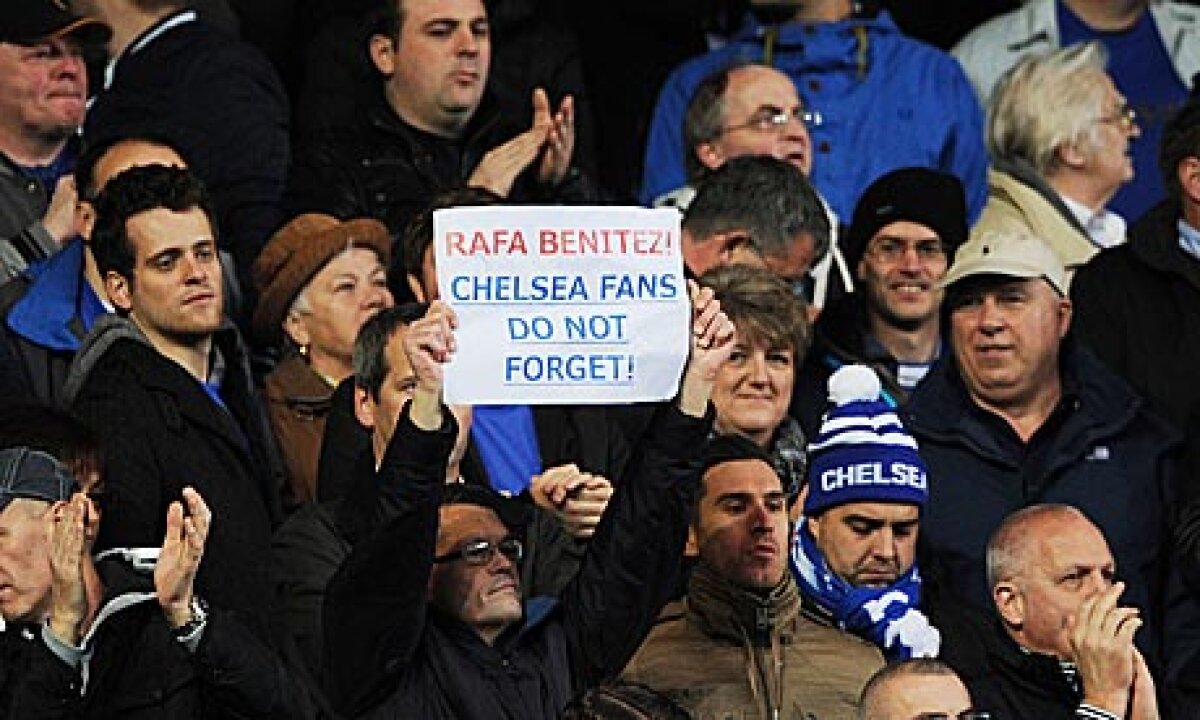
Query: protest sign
pixel 563 305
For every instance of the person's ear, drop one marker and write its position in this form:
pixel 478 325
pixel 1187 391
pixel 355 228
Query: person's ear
pixel 1072 154
pixel 1066 311
pixel 382 50
pixel 119 290
pixel 1010 604
pixel 364 408
pixel 692 547
pixel 296 329
pixel 710 155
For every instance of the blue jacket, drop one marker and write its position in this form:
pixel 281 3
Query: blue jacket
pixel 1107 455
pixel 904 103
pixel 46 312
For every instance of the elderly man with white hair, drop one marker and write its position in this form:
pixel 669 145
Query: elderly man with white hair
pixel 1059 135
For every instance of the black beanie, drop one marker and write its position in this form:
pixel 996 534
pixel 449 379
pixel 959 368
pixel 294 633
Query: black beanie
pixel 928 197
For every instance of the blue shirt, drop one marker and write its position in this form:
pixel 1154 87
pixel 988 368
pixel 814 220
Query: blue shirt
pixel 507 442
pixel 1141 69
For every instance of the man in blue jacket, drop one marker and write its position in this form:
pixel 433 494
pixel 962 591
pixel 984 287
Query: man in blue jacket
pixel 878 99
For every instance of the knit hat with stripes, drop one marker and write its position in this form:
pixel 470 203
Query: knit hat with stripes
pixel 863 453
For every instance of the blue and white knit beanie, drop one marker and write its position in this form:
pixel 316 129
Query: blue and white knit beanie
pixel 862 453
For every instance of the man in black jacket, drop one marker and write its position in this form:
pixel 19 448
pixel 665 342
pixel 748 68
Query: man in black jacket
pixel 431 126
pixel 165 383
pixel 1138 306
pixel 424 619
pixel 1063 647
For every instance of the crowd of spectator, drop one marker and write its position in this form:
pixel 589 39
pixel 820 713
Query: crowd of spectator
pixel 934 450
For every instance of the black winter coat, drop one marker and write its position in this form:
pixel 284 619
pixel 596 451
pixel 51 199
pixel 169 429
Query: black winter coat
pixel 161 431
pixel 390 655
pixel 1108 456
pixel 1138 306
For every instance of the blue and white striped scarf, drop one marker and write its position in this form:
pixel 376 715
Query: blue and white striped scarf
pixel 887 616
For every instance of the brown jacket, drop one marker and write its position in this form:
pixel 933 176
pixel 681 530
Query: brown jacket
pixel 726 653
pixel 298 402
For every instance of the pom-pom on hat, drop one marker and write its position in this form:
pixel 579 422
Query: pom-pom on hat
pixel 862 453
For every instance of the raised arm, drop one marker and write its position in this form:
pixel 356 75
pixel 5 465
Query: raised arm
pixel 375 605
pixel 630 568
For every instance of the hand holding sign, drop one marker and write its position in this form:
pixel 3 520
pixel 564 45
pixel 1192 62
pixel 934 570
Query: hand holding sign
pixel 562 305
pixel 428 343
pixel 712 342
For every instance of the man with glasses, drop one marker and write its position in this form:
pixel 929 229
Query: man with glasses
pixel 424 619
pixel 1152 60
pixel 752 109
pixel 1061 136
pixel 918 689
pixel 886 100
pixel 905 231
pixel 1063 648
pixel 43 88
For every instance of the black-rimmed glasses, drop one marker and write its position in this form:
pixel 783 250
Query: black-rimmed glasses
pixel 481 552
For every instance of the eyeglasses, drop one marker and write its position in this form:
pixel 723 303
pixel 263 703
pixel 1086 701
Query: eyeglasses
pixel 481 552
pixel 964 715
pixel 772 119
pixel 1125 118
pixel 892 249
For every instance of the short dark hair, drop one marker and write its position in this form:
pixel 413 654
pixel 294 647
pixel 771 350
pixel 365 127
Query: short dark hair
pixel 705 117
pixel 370 346
pixel 135 191
pixel 769 199
pixel 386 19
pixel 53 431
pixel 419 234
pixel 85 166
pixel 1180 140
pixel 762 307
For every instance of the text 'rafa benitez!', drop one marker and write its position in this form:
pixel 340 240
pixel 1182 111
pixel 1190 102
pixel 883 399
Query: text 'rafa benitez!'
pixel 563 304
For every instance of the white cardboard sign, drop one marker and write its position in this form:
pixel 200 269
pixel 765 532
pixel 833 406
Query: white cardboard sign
pixel 563 305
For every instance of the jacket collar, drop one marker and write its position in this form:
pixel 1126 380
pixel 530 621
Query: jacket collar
pixel 1154 240
pixel 60 306
pixel 738 615
pixel 1037 674
pixel 382 117
pixel 1103 403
